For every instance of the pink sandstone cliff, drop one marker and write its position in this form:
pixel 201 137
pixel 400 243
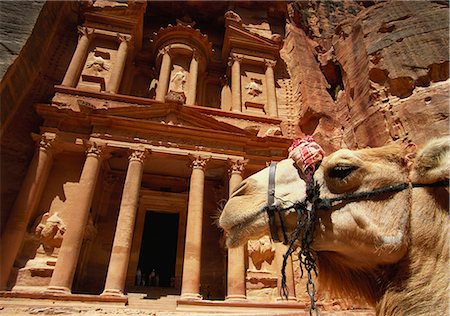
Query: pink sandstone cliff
pixel 371 73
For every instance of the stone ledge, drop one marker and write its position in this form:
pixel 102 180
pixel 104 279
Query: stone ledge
pixel 64 297
pixel 232 306
pixel 250 307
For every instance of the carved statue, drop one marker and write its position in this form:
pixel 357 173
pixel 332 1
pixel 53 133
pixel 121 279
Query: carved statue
pixel 50 231
pixel 178 81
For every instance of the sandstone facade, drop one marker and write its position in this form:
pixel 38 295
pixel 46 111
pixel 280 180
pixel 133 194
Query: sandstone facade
pixel 156 111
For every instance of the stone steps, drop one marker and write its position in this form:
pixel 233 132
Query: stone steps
pixel 166 303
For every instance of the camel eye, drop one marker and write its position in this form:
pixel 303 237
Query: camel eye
pixel 341 171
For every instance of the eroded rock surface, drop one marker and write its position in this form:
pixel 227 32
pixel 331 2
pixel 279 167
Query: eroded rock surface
pixel 369 73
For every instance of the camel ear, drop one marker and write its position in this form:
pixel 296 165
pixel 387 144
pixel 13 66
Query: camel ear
pixel 432 162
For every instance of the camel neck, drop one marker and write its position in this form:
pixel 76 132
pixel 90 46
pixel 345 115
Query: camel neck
pixel 421 282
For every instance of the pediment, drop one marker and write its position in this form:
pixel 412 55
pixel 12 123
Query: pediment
pixel 236 36
pixel 171 115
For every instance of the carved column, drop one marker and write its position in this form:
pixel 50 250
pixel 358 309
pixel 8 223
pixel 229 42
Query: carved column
pixel 120 254
pixel 280 250
pixel 235 63
pixel 164 74
pixel 190 287
pixel 236 282
pixel 193 75
pixel 79 57
pixel 25 205
pixel 272 107
pixel 225 94
pixel 121 58
pixel 62 278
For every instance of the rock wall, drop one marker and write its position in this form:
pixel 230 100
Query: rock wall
pixel 29 79
pixel 369 73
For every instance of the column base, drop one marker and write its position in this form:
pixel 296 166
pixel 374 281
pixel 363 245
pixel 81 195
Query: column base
pixel 191 296
pixel 289 299
pixel 236 297
pixel 58 290
pixel 113 292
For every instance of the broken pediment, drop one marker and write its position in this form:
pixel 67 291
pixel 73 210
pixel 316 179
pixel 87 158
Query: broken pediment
pixel 238 38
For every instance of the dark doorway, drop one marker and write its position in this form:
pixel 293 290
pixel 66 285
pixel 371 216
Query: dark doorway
pixel 159 249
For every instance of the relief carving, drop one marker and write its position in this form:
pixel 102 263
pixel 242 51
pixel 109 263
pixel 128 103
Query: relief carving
pixel 261 251
pixel 49 231
pixel 254 87
pixel 96 65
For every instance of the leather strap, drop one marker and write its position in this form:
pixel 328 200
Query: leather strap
pixel 271 201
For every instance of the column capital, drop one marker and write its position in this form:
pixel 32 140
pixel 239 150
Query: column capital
pixel 198 162
pixel 85 31
pixel 196 54
pixel 224 80
pixel 139 154
pixel 233 58
pixel 164 50
pixel 95 150
pixel 270 63
pixel 236 165
pixel 46 142
pixel 123 37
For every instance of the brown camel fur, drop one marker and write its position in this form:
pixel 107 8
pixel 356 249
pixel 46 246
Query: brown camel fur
pixel 391 251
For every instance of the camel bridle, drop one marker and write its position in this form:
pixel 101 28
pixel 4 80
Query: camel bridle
pixel 306 219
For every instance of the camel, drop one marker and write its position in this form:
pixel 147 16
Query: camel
pixel 390 250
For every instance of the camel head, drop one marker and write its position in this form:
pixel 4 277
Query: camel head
pixel 355 239
pixel 373 227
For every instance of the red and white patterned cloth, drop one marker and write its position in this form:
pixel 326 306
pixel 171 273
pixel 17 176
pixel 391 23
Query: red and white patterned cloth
pixel 306 152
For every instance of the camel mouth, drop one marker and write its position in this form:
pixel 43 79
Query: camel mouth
pixel 239 232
